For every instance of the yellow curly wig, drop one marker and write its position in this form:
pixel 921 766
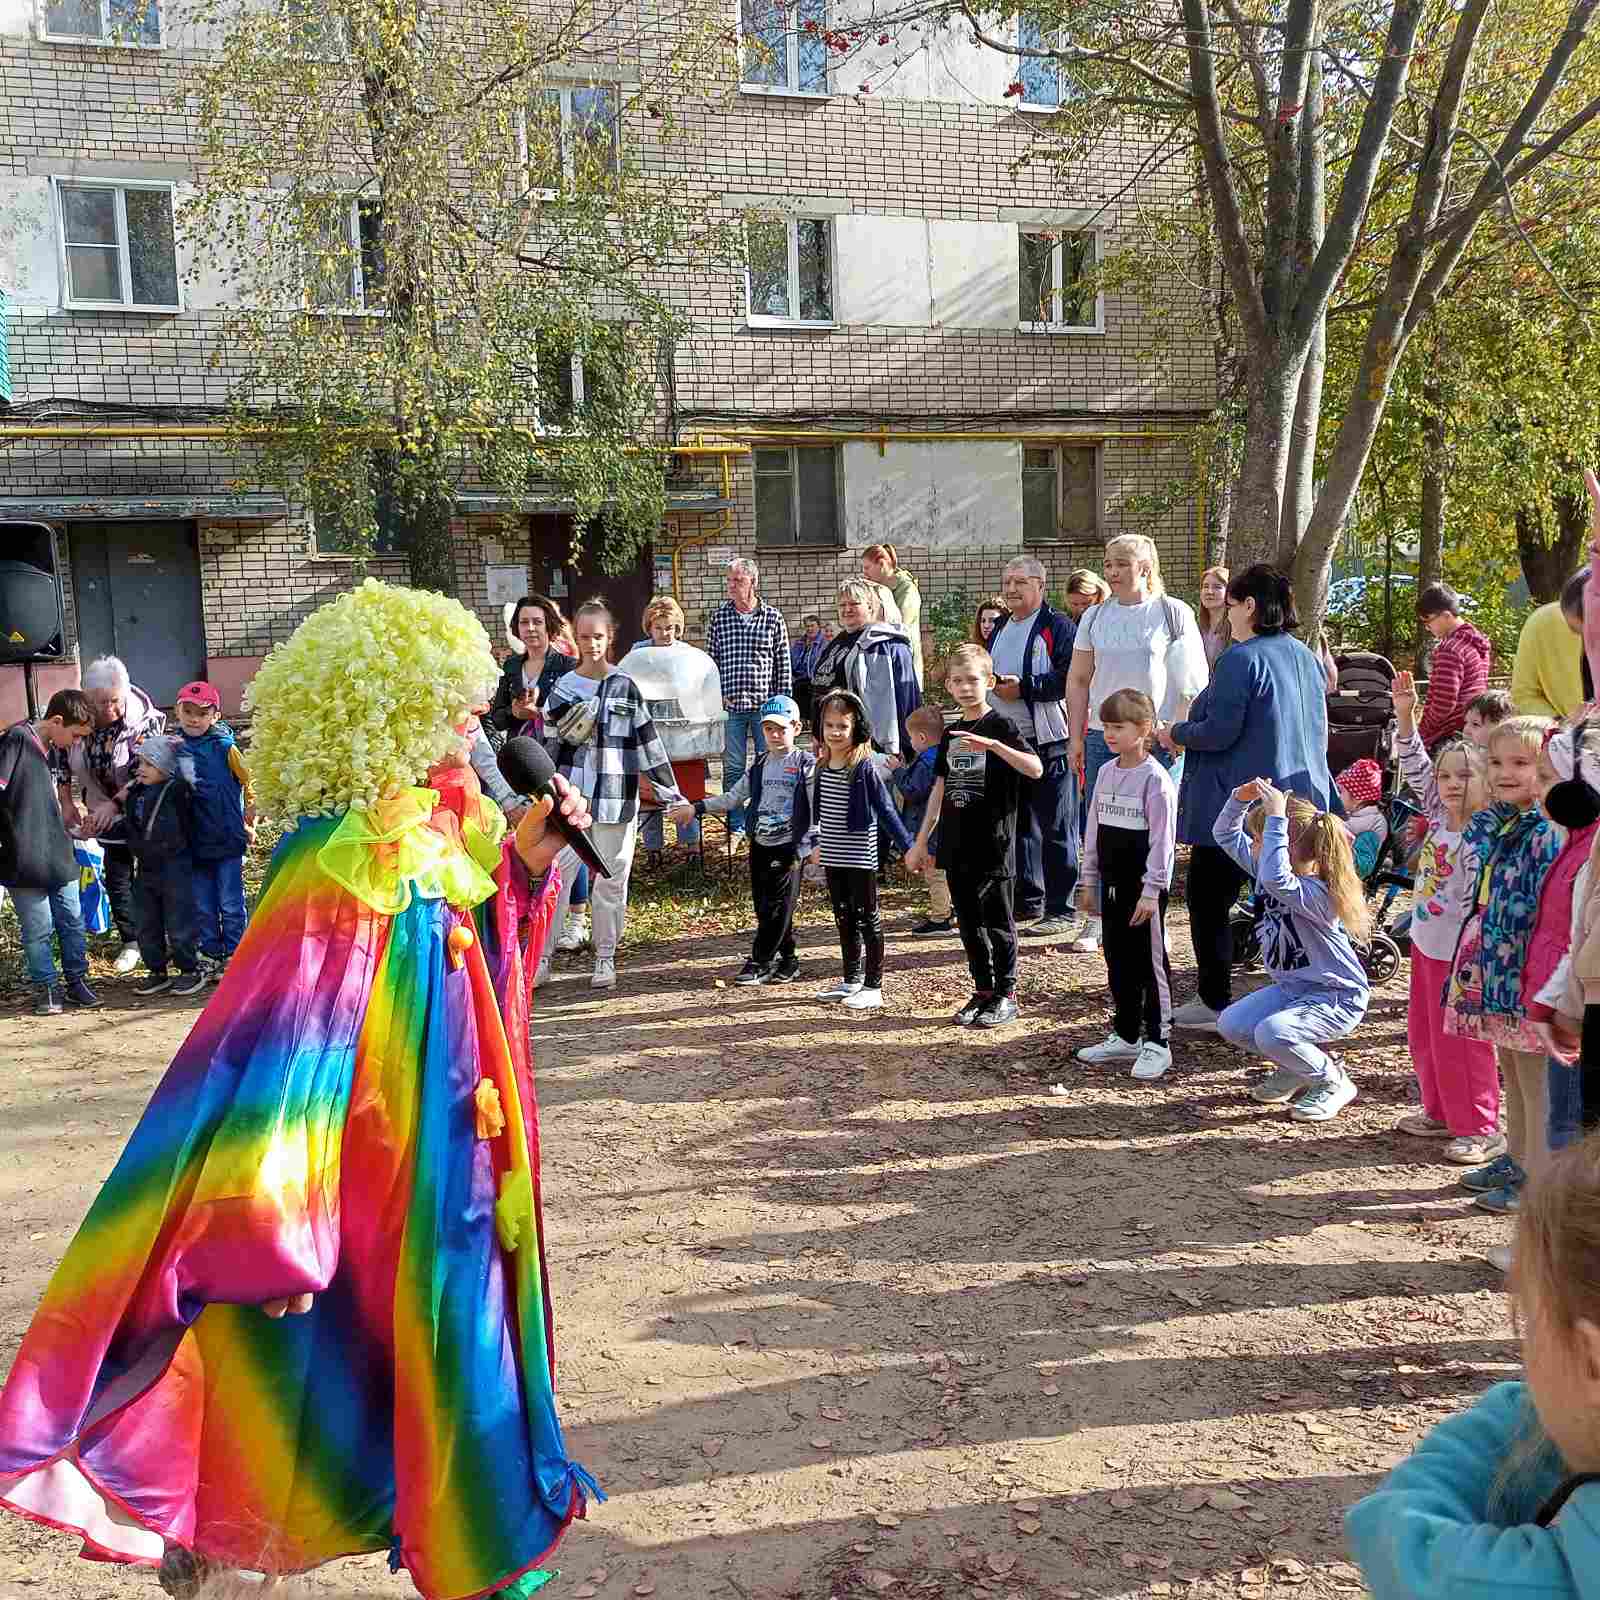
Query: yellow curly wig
pixel 363 698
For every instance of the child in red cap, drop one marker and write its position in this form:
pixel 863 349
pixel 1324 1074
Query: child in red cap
pixel 1361 785
pixel 224 823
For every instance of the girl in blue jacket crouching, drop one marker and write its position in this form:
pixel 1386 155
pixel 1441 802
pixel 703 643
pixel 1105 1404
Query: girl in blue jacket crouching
pixel 1505 1499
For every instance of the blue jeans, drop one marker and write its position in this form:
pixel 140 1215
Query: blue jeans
pixel 653 831
pixel 741 727
pixel 219 906
pixel 1046 850
pixel 55 913
pixel 1286 1024
pixel 1566 1104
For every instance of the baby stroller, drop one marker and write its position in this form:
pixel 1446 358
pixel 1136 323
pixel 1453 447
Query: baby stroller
pixel 1361 712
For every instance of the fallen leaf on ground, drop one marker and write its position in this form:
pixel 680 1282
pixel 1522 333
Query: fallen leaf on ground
pixel 1121 1500
pixel 711 1447
pixel 1029 1525
pixel 585 1591
pixel 645 1586
pixel 1226 1500
pixel 831 1414
pixel 1051 1389
pixel 885 1520
pixel 820 1443
pixel 599 1575
pixel 878 1581
pixel 1000 1565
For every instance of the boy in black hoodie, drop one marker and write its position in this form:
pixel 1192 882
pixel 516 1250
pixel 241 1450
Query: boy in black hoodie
pixel 160 813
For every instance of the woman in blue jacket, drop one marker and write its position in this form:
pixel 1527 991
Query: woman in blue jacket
pixel 1264 715
pixel 1503 1501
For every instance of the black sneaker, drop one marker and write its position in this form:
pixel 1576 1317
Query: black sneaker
pixel 156 983
pixel 80 994
pixel 46 1000
pixel 188 983
pixel 997 1012
pixel 929 926
pixel 751 973
pixel 968 1014
pixel 785 971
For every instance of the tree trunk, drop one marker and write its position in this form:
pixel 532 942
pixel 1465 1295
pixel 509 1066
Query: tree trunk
pixel 1430 552
pixel 1548 563
pixel 1273 392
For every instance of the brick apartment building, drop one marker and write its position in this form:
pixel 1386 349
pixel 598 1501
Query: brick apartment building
pixel 910 357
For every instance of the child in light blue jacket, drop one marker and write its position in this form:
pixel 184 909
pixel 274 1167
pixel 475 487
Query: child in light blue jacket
pixel 1504 1500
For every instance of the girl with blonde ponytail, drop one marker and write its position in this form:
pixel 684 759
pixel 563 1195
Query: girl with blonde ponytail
pixel 1305 872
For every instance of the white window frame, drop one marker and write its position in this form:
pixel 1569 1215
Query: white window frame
pixel 1046 41
pixel 120 187
pixel 1055 447
pixel 800 542
pixel 789 88
pixel 1057 257
pixel 567 124
pixel 109 38
pixel 759 319
pixel 359 307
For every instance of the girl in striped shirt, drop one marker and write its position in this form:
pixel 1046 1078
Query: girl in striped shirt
pixel 853 807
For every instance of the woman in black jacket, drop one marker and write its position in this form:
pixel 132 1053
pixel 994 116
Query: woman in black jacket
pixel 533 669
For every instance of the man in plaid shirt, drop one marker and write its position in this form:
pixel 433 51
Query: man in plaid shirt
pixel 750 644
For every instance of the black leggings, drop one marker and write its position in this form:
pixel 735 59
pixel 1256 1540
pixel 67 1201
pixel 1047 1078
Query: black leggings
pixel 1213 885
pixel 854 893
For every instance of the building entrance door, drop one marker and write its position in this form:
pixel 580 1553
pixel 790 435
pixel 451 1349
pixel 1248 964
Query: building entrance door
pixel 136 590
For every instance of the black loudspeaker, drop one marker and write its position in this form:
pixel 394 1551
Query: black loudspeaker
pixel 33 624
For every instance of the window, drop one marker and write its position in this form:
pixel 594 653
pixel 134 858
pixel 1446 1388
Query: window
pixel 576 385
pixel 1040 76
pixel 572 136
pixel 789 281
pixel 132 23
pixel 345 267
pixel 1060 494
pixel 1057 292
pixel 315 31
pixel 781 46
pixel 118 247
pixel 797 496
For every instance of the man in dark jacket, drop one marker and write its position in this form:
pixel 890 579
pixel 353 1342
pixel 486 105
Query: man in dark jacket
pixel 1032 651
pixel 1459 670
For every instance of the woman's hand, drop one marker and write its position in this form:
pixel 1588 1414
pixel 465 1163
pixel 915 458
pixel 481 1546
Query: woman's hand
pixel 1147 907
pixel 1273 801
pixel 1009 687
pixel 815 858
pixel 1075 756
pixel 526 707
pixel 538 844
pixel 682 814
pixel 1168 742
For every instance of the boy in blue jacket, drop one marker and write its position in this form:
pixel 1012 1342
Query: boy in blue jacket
pixel 160 814
pixel 914 785
pixel 224 823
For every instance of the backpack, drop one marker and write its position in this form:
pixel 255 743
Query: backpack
pixel 1171 618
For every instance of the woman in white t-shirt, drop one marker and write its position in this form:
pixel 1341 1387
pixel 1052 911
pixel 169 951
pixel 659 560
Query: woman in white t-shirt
pixel 1141 638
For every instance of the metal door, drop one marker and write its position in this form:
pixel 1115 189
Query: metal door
pixel 137 591
pixel 570 581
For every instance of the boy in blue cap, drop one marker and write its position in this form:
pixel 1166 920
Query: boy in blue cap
pixel 776 789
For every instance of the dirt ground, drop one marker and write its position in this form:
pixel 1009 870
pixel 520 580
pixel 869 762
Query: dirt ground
pixel 853 1304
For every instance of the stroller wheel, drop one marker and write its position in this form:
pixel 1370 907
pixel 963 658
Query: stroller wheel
pixel 1381 958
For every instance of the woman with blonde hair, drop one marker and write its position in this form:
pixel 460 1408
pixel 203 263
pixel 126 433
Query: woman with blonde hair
pixel 1215 634
pixel 1085 588
pixel 870 658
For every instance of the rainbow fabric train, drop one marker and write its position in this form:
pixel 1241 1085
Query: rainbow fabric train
pixel 352 1116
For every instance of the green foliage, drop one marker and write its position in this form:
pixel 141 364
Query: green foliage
pixel 442 261
pixel 949 620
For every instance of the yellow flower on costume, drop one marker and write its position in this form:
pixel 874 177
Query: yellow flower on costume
pixel 363 698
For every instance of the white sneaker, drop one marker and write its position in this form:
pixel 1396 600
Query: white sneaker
pixel 1323 1101
pixel 1112 1048
pixel 127 959
pixel 865 1000
pixel 1087 942
pixel 1195 1014
pixel 1154 1060
pixel 842 990
pixel 605 973
pixel 575 935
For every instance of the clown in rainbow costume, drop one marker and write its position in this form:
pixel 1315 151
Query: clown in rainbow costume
pixel 348 1134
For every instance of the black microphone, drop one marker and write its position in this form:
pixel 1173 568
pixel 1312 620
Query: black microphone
pixel 526 765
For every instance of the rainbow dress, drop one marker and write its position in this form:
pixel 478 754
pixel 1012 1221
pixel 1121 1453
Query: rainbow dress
pixel 351 1115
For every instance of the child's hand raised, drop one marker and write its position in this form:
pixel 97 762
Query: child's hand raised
pixel 1273 801
pixel 1246 792
pixel 1404 693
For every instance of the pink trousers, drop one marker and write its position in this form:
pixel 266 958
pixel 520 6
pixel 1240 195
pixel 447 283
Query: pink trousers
pixel 1459 1079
